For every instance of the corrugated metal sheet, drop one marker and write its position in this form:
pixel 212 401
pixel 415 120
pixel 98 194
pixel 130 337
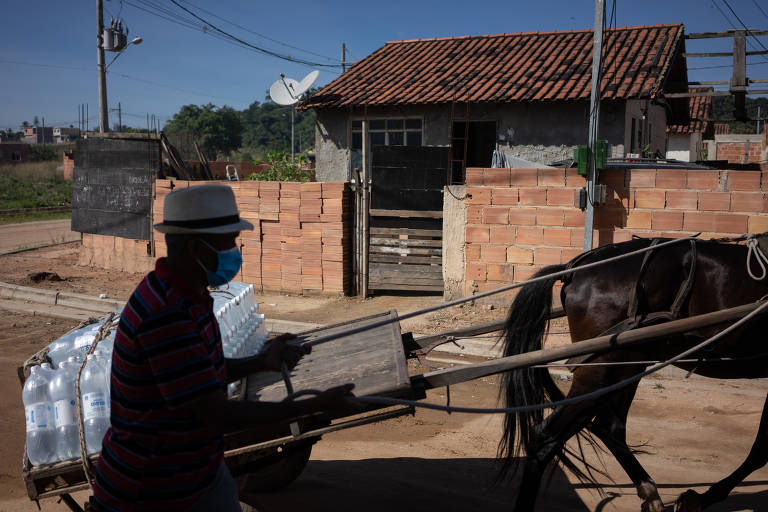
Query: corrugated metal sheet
pixel 521 67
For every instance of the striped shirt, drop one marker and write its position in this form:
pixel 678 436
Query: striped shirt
pixel 157 455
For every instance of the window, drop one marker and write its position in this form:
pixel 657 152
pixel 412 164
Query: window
pixel 16 156
pixel 388 132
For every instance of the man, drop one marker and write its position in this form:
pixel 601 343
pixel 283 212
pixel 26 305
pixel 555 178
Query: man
pixel 164 450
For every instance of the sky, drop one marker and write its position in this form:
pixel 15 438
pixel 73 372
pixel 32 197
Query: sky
pixel 48 48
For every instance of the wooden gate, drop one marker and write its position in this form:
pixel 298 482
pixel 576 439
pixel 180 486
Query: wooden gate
pixel 405 244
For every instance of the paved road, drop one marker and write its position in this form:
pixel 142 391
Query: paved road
pixel 35 234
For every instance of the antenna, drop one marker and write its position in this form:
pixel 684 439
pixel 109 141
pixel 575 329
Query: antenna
pixel 287 91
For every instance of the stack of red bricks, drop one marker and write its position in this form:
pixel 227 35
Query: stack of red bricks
pixel 302 237
pixel 519 220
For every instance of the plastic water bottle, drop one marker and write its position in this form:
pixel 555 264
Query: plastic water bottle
pixel 95 404
pixel 41 436
pixel 62 390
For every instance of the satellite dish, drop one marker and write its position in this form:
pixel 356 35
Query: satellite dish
pixel 308 81
pixel 285 91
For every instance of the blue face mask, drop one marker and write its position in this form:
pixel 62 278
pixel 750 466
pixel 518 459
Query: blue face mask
pixel 227 266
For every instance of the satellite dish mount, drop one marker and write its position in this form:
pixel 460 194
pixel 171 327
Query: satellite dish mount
pixel 287 91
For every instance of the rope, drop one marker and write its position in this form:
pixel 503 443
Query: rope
pixel 100 335
pixel 378 400
pixel 755 253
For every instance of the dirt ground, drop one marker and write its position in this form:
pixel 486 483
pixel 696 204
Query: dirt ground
pixel 696 431
pixel 33 234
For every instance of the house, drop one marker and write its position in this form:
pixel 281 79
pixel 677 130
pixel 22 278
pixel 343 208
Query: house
pixel 62 135
pixel 11 153
pixel 38 135
pixel 685 140
pixel 526 94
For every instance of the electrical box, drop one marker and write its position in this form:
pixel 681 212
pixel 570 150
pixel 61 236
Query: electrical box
pixel 601 153
pixel 581 156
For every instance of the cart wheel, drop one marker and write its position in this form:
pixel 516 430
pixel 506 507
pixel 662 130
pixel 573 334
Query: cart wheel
pixel 275 475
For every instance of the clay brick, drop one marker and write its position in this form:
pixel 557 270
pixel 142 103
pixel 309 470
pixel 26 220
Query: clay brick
pixel 524 177
pixel 474 176
pixel 500 272
pixel 667 220
pixel 610 217
pixel 701 179
pixel 530 236
pixel 478 195
pixel 622 236
pixel 492 253
pixel 502 235
pixel 751 202
pixel 533 196
pixel 472 252
pixel 493 215
pixel 557 237
pixel 682 200
pixel 476 234
pixel 519 255
pixel 671 178
pixel 758 224
pixel 551 177
pixel 507 196
pixel 649 198
pixel 569 254
pixel 619 197
pixel 333 189
pixel 561 196
pixel 474 214
pixel 577 237
pixel 731 223
pixel 311 189
pixel 496 177
pixel 574 179
pixel 714 201
pixel 699 221
pixel 549 216
pixel 476 271
pixel 642 178
pixel 522 216
pixel 744 180
pixel 637 219
pixel 525 272
pixel 574 219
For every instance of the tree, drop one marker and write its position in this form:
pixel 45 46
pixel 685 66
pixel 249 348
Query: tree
pixel 218 131
pixel 25 124
pixel 36 121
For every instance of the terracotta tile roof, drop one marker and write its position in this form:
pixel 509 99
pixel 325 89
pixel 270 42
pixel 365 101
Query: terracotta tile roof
pixel 532 66
pixel 699 110
pixel 722 128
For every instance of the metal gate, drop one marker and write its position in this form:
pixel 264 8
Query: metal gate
pixel 405 244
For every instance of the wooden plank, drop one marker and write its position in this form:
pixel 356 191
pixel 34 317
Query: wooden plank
pixel 405 260
pixel 388 286
pixel 405 242
pixel 407 231
pixel 418 270
pixel 416 251
pixel 711 93
pixel 591 346
pixel 406 213
pixel 711 35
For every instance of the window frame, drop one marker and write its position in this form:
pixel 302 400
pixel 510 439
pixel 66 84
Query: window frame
pixel 386 131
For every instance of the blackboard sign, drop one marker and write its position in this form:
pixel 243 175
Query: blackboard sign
pixel 409 177
pixel 112 186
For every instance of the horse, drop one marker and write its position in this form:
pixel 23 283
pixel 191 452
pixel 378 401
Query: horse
pixel 689 278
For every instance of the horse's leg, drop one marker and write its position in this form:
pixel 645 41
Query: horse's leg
pixel 554 431
pixel 691 501
pixel 610 426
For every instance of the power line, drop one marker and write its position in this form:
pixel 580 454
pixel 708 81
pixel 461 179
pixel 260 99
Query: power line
pixel 260 49
pixel 728 66
pixel 761 9
pixel 56 66
pixel 745 28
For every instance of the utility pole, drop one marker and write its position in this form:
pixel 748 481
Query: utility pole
pixel 79 120
pixel 292 146
pixel 343 57
pixel 43 131
pixel 594 118
pixel 86 117
pixel 103 114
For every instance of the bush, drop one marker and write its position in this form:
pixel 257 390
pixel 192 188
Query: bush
pixel 40 153
pixel 283 168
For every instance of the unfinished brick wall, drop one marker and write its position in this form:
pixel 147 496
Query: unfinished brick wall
pixel 68 163
pixel 739 152
pixel 302 237
pixel 519 220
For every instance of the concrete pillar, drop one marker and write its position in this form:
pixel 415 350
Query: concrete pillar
pixel 454 223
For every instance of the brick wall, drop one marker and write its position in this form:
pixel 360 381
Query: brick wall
pixel 68 163
pixel 302 237
pixel 519 220
pixel 115 253
pixel 739 152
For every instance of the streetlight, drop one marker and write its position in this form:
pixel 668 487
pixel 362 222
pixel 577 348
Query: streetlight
pixel 136 40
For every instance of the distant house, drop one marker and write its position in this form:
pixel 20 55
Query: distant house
pixel 526 94
pixel 62 135
pixel 11 153
pixel 685 140
pixel 38 135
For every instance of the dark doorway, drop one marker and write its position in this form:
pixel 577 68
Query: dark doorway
pixel 472 146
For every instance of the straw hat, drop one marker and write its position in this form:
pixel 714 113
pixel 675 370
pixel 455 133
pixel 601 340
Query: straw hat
pixel 201 209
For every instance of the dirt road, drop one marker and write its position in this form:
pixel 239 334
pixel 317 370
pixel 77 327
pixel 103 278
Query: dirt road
pixel 35 234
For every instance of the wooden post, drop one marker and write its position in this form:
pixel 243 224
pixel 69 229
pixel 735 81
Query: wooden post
pixel 739 78
pixel 365 209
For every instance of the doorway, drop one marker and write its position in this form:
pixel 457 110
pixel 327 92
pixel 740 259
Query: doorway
pixel 471 146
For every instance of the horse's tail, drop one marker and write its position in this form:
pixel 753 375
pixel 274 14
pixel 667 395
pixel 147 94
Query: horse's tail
pixel 524 332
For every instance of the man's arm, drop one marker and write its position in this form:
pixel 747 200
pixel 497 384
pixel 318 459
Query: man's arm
pixel 277 352
pixel 227 416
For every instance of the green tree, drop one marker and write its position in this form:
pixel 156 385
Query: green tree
pixel 25 124
pixel 217 130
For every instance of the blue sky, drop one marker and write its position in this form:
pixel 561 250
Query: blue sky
pixel 177 65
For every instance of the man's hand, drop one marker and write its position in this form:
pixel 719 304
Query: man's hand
pixel 279 351
pixel 336 398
